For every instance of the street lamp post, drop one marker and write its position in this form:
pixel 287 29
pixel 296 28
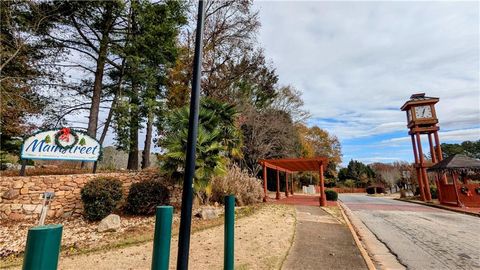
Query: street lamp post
pixel 187 194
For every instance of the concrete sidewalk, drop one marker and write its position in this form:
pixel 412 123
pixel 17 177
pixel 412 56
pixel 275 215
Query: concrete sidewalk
pixel 301 199
pixel 322 242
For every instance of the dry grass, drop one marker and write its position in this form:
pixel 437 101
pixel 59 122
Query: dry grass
pixel 131 237
pixel 247 189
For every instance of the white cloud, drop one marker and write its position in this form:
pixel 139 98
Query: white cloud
pixel 358 62
pixel 461 135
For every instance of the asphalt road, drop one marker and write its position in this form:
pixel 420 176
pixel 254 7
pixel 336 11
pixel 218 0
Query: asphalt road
pixel 421 237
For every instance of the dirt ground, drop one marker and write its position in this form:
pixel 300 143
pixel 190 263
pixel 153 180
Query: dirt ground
pixel 262 241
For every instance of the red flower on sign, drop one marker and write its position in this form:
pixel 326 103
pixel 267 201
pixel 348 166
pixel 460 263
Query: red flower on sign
pixel 65 134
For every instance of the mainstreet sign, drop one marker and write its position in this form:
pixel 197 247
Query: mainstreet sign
pixel 61 144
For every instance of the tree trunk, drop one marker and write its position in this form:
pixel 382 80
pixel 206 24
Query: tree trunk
pixel 97 85
pixel 148 142
pixel 114 103
pixel 135 105
pixel 134 127
pixel 108 120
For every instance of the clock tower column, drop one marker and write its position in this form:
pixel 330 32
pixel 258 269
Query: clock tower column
pixel 422 120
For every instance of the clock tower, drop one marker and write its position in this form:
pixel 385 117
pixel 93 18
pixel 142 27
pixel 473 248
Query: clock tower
pixel 422 120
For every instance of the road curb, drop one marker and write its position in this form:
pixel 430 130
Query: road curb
pixel 439 207
pixel 366 257
pixel 377 252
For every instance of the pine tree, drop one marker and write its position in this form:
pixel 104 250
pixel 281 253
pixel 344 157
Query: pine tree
pixel 150 52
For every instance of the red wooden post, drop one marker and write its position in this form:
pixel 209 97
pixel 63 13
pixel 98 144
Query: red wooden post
pixel 432 150
pixel 291 190
pixel 423 171
pixel 264 183
pixel 439 148
pixel 323 199
pixel 278 186
pixel 434 161
pixel 439 188
pixel 439 154
pixel 455 179
pixel 286 184
pixel 419 175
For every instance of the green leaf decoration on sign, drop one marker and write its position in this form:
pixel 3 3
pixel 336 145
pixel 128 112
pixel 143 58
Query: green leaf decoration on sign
pixel 48 139
pixel 82 142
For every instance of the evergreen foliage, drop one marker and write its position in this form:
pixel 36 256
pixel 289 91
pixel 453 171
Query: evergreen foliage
pixel 331 195
pixel 362 174
pixel 100 197
pixel 143 197
pixel 468 148
pixel 135 58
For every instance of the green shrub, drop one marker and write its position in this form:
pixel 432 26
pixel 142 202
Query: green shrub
pixel 374 189
pixel 331 195
pixel 247 189
pixel 100 197
pixel 143 197
pixel 330 182
pixel 434 192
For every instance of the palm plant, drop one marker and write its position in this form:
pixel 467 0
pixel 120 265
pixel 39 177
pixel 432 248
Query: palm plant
pixel 218 139
pixel 212 114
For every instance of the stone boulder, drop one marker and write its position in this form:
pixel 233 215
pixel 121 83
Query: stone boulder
pixel 11 194
pixel 207 213
pixel 110 223
pixel 10 166
pixel 46 166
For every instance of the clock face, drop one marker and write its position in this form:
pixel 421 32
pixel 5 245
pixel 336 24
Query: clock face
pixel 409 116
pixel 422 112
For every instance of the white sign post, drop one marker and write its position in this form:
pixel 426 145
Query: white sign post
pixel 60 144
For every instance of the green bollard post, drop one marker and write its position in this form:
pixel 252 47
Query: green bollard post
pixel 161 240
pixel 228 260
pixel 43 247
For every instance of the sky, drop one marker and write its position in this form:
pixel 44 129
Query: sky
pixel 358 62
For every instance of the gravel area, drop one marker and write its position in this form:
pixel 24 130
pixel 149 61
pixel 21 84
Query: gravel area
pixel 262 241
pixel 77 233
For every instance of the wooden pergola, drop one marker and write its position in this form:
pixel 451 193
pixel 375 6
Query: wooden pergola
pixel 290 166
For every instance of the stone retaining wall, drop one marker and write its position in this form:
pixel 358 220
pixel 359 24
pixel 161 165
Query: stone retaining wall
pixel 21 197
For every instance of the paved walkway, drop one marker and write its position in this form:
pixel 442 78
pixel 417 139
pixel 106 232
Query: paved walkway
pixel 322 242
pixel 421 237
pixel 300 199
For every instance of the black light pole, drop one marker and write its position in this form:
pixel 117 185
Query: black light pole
pixel 187 195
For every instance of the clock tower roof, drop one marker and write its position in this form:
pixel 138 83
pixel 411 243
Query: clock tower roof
pixel 419 99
